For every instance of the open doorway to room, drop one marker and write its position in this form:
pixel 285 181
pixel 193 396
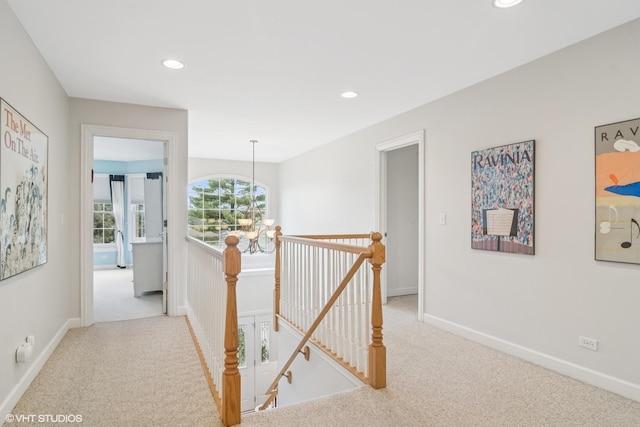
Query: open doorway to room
pixel 127 228
pixel 138 228
pixel 400 172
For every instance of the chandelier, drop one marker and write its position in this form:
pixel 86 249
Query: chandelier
pixel 255 233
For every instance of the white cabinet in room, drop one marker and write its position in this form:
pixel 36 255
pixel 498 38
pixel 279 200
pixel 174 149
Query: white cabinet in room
pixel 147 267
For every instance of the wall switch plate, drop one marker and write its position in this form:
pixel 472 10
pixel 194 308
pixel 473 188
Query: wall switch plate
pixel 443 218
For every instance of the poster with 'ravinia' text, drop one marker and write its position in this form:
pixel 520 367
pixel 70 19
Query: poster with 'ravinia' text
pixel 502 202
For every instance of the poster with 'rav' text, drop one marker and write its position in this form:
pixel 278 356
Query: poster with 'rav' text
pixel 617 225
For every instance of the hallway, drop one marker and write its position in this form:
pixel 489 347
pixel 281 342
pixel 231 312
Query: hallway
pixel 146 372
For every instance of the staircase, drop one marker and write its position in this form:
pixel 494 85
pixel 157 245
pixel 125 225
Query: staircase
pixel 324 291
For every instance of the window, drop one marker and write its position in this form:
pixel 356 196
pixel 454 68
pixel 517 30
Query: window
pixel 104 224
pixel 242 355
pixel 137 216
pixel 136 213
pixel 265 329
pixel 216 204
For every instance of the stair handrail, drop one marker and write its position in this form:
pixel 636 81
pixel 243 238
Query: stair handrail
pixel 375 252
pixel 334 297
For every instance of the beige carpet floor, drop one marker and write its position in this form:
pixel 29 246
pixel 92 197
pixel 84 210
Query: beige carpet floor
pixel 113 297
pixel 137 373
pixel 146 373
pixel 435 378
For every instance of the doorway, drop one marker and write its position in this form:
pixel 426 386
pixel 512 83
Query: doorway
pixel 402 221
pixel 257 359
pixel 166 140
pixel 401 218
pixel 127 228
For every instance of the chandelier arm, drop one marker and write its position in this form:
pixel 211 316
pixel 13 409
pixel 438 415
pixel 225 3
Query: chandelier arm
pixel 267 246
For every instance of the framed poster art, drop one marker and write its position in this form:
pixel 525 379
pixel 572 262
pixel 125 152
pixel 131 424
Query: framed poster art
pixel 617 198
pixel 23 198
pixel 502 198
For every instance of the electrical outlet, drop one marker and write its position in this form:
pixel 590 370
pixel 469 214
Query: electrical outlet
pixel 588 343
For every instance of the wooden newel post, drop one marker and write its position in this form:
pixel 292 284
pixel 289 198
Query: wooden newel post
pixel 276 291
pixel 231 375
pixel 377 350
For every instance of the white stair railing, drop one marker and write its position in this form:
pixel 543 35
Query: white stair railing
pixel 212 314
pixel 322 290
pixel 309 277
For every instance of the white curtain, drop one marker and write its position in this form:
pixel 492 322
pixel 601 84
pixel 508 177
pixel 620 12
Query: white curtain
pixel 117 201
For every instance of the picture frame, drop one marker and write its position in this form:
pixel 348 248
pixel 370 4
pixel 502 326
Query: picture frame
pixel 617 192
pixel 502 198
pixel 24 194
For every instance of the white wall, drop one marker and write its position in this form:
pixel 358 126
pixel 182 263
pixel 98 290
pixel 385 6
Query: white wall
pixel 111 114
pixel 254 291
pixel 533 306
pixel 40 301
pixel 330 189
pixel 319 376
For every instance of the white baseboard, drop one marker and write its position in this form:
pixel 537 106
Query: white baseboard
pixel 396 292
pixel 200 336
pixel 589 376
pixel 16 393
pixel 198 331
pixel 182 310
pixel 192 319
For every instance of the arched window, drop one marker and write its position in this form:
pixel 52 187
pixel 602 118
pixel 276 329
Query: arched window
pixel 215 205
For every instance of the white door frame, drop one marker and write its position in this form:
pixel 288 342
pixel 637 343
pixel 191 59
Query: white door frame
pixel 88 132
pixel 381 203
pixel 257 376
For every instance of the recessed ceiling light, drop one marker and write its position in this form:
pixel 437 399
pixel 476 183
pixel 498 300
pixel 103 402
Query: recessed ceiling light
pixel 349 94
pixel 506 3
pixel 174 64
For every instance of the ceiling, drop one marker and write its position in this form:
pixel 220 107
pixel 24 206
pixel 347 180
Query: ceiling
pixel 274 70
